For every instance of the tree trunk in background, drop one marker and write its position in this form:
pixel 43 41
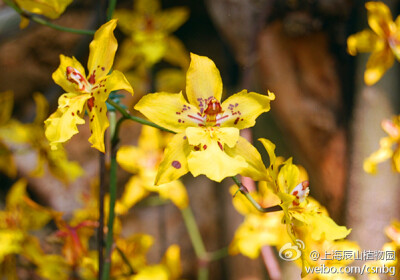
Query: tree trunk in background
pixel 301 72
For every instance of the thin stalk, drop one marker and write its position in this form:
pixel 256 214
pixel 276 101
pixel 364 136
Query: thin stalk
pixel 113 195
pixel 197 242
pixel 126 115
pixel 126 260
pixel 100 230
pixel 110 226
pixel 217 255
pixel 45 22
pixel 111 8
pixel 243 190
pixel 203 273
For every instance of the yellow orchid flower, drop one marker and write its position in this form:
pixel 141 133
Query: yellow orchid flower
pixel 258 229
pixel 300 212
pixel 86 94
pixel 149 28
pixel 207 140
pixel 385 151
pixel 383 41
pixel 144 161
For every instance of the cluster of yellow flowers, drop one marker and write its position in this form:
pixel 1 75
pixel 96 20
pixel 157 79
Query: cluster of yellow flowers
pixel 206 141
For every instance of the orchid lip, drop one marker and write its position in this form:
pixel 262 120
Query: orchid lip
pixel 74 76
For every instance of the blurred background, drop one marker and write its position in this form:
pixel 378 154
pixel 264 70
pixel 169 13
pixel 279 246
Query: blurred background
pixel 324 116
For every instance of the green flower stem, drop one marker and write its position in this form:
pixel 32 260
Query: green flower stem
pixel 126 115
pixel 111 8
pixel 58 27
pixel 45 22
pixel 217 255
pixel 243 190
pixel 197 242
pixel 113 195
pixel 203 273
pixel 100 230
pixel 110 226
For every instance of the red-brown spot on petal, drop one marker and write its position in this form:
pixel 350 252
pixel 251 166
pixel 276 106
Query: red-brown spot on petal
pixel 90 103
pixel 92 79
pixel 236 121
pixel 220 146
pixel 73 114
pixel 176 164
pixel 295 193
pixel 204 147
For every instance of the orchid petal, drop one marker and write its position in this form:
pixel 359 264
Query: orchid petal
pixel 203 81
pixel 169 110
pixel 174 163
pixel 61 125
pixel 102 51
pixel 241 109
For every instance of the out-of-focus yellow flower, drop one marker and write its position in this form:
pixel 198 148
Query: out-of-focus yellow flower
pixel 48 266
pixel 7 163
pixel 258 229
pixel 385 151
pixel 75 238
pixel 169 269
pixel 170 80
pixel 134 250
pixel 20 216
pixel 49 8
pixel 207 140
pixel 143 161
pixel 17 137
pixel 149 29
pixel 86 94
pixel 383 41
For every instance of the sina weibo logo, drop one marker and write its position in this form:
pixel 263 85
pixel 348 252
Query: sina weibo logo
pixel 290 252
